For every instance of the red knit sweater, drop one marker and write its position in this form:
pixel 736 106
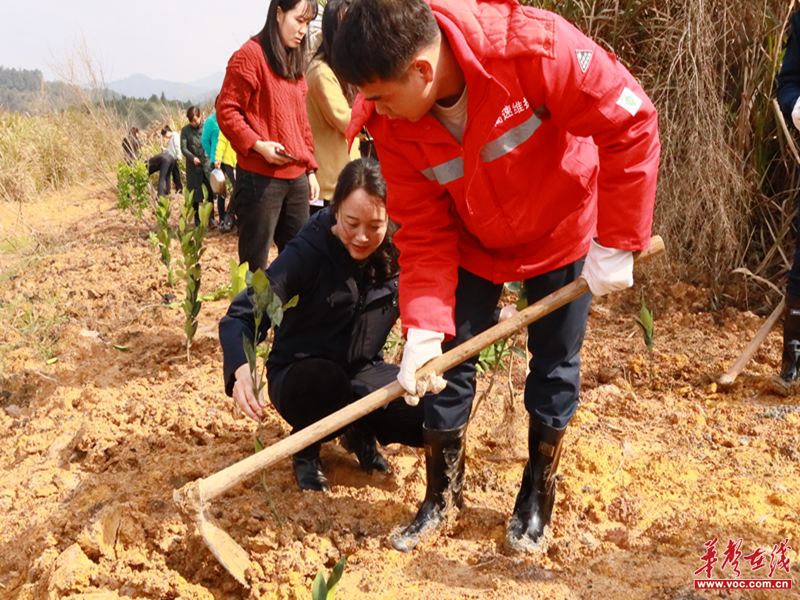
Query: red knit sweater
pixel 255 104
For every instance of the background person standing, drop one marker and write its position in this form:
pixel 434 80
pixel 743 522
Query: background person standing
pixel 789 99
pixel 198 165
pixel 262 112
pixel 329 103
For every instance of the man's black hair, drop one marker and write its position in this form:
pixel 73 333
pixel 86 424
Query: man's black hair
pixel 378 39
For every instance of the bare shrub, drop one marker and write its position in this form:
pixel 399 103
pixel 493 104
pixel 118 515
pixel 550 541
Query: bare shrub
pixel 726 184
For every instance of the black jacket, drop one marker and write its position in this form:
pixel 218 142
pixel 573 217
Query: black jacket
pixel 789 75
pixel 338 316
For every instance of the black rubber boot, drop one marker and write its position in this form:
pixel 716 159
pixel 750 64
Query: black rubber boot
pixel 534 506
pixel 359 440
pixel 308 470
pixel 444 467
pixel 791 338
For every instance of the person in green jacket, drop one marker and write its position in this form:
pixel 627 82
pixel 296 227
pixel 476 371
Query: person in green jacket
pixel 198 165
pixel 209 139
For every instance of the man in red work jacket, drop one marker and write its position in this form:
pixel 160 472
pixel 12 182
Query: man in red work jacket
pixel 514 148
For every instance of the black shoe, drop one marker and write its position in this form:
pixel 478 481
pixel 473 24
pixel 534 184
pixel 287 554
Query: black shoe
pixel 358 440
pixel 212 222
pixel 791 338
pixel 308 470
pixel 444 467
pixel 227 223
pixel 534 506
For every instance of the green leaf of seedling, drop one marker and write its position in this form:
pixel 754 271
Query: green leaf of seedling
pixel 238 278
pixel 646 316
pixel 258 445
pixel 121 348
pixel 205 212
pixel 519 352
pixel 50 361
pixel 336 575
pixel 174 305
pixel 319 591
pixel 250 353
pixel 514 286
pixel 291 303
pixel 259 282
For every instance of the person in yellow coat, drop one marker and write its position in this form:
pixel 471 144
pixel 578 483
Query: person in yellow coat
pixel 328 104
pixel 225 159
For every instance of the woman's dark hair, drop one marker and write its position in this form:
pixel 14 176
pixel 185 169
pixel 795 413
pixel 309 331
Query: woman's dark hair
pixel 331 18
pixel 378 39
pixel 287 63
pixel 365 174
pixel 192 112
pixel 165 129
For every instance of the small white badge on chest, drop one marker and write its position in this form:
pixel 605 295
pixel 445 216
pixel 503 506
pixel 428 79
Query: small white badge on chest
pixel 584 58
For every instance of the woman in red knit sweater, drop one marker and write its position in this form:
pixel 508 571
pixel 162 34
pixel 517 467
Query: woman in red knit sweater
pixel 262 112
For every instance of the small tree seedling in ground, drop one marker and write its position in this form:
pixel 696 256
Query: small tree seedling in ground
pixel 164 236
pixel 189 266
pixel 133 183
pixel 322 590
pixel 645 323
pixel 264 300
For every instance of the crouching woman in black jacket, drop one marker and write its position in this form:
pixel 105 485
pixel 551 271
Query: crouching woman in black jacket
pixel 327 352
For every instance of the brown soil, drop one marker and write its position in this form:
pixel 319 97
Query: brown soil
pixel 93 444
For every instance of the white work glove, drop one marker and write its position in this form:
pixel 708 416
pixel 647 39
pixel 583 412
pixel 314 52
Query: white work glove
pixel 421 346
pixel 607 269
pixel 796 114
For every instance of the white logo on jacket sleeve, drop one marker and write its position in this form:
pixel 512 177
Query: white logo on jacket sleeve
pixel 629 101
pixel 584 58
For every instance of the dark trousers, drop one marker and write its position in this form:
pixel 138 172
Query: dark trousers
pixel 164 164
pixel 552 387
pixel 196 182
pixel 176 176
pixel 267 208
pixel 314 388
pixel 793 283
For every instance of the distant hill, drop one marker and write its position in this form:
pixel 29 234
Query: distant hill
pixel 142 86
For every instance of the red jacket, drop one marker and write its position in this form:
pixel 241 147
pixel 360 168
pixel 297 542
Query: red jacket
pixel 255 104
pixel 547 107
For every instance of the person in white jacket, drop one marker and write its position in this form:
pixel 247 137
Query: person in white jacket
pixel 172 146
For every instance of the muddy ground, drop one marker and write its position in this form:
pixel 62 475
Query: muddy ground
pixel 101 419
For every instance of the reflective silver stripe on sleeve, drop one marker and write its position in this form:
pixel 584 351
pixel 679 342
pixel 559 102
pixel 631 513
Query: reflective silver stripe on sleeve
pixel 514 137
pixel 446 172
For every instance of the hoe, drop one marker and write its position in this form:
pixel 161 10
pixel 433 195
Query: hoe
pixel 193 498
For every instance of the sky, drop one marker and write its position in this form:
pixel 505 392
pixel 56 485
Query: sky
pixel 176 40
